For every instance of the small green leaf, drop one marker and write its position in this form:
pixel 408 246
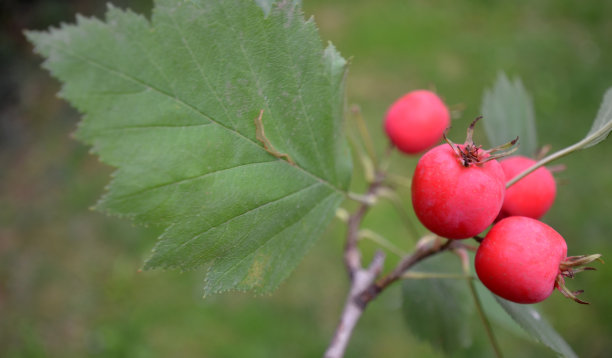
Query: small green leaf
pixel 603 122
pixel 537 327
pixel 599 131
pixel 438 310
pixel 173 103
pixel 508 112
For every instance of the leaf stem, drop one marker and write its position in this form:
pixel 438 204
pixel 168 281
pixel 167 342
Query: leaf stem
pixel 411 275
pixel 363 131
pixel 556 155
pixel 406 218
pixel 465 264
pixel 399 180
pixel 590 140
pixel 382 241
pixel 366 161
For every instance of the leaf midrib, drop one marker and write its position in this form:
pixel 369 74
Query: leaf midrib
pixel 228 220
pixel 187 179
pixel 298 86
pixel 190 107
pixel 271 238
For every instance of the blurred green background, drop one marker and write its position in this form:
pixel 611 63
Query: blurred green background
pixel 69 280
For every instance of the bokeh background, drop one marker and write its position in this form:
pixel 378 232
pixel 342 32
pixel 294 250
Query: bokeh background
pixel 69 280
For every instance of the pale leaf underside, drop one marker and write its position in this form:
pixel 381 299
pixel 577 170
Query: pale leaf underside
pixel 507 111
pixel 602 126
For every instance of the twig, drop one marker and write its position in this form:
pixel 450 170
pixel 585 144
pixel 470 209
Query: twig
pixel 352 256
pixel 364 284
pixel 353 308
pixel 382 241
pixel 465 264
pixel 364 287
pixel 406 218
pixel 556 155
pixel 425 248
pixel 360 278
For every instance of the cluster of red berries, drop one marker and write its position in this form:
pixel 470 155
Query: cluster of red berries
pixel 459 190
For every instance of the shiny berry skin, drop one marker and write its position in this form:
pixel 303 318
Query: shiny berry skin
pixel 519 259
pixel 531 196
pixel 416 121
pixel 456 200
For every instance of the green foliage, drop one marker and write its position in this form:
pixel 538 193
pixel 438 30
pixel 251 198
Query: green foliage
pixel 438 310
pixel 603 122
pixel 496 314
pixel 523 321
pixel 602 125
pixel 224 121
pixel 508 112
pixel 537 327
pixel 173 102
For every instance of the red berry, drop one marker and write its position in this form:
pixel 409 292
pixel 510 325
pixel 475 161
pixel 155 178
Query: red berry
pixel 457 199
pixel 519 259
pixel 531 196
pixel 416 121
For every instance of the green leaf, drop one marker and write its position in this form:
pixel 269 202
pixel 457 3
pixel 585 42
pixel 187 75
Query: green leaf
pixel 603 122
pixel 266 5
pixel 508 112
pixel 496 313
pixel 599 131
pixel 438 310
pixel 537 327
pixel 173 102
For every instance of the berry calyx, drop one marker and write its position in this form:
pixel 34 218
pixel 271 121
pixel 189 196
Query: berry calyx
pixel 470 154
pixel 458 190
pixel 569 267
pixel 523 260
pixel 531 196
pixel 416 121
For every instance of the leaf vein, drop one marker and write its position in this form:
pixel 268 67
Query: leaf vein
pixel 252 210
pixel 156 127
pixel 257 82
pixel 184 180
pixel 271 238
pixel 204 78
pixel 188 106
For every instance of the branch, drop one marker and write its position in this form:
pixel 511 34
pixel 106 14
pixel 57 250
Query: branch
pixel 352 255
pixel 360 278
pixel 426 247
pixel 354 307
pixel 364 287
